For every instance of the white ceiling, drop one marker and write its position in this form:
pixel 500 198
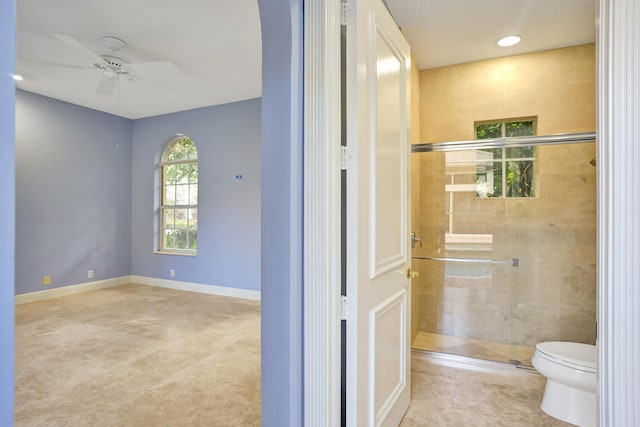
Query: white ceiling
pixel 216 44
pixel 447 32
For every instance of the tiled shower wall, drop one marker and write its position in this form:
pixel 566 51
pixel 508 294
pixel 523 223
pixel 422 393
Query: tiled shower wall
pixel 552 294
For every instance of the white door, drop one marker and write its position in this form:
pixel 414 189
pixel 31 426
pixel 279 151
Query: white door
pixel 377 205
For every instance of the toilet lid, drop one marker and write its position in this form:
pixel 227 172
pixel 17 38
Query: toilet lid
pixel 582 355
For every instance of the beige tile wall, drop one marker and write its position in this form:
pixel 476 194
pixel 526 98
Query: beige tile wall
pixel 551 296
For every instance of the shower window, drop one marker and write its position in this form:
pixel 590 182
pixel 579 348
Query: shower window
pixel 505 172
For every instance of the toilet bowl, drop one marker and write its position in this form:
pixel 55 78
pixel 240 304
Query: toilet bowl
pixel 570 369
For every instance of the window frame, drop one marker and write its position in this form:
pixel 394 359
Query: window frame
pixel 504 160
pixel 164 206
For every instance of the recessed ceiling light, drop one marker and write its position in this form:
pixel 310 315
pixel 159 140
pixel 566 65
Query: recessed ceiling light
pixel 509 41
pixel 17 77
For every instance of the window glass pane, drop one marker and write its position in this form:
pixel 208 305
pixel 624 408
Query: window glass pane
pixel 497 180
pixel 193 173
pixel 182 194
pixel 182 173
pixel 193 194
pixel 170 174
pixel 176 151
pixel 521 128
pixel 181 218
pixel 488 130
pixel 519 177
pixel 189 148
pixel 193 218
pixel 193 239
pixel 169 195
pixel 169 242
pixel 484 179
pixel 180 239
pixel 181 148
pixel 519 152
pixel 169 217
pixel 492 153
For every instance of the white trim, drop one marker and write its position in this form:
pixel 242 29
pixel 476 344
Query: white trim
pixel 618 156
pixel 71 289
pixel 618 301
pixel 142 280
pixel 179 253
pixel 322 204
pixel 197 287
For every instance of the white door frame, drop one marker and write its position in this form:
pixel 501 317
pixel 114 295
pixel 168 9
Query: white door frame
pixel 322 204
pixel 618 155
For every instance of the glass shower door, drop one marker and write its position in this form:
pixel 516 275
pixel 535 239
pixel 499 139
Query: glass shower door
pixel 501 271
pixel 554 292
pixel 464 257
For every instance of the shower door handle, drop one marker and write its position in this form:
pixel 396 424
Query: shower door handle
pixel 415 240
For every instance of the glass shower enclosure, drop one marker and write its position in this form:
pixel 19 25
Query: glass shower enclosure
pixel 505 243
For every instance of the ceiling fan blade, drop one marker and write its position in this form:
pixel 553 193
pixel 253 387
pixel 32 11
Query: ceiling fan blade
pixel 78 47
pixel 158 87
pixel 106 85
pixel 155 67
pixel 51 64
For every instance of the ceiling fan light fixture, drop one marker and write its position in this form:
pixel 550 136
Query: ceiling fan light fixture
pixel 114 44
pixel 509 41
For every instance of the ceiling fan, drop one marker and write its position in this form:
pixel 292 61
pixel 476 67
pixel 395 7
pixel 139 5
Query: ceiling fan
pixel 112 66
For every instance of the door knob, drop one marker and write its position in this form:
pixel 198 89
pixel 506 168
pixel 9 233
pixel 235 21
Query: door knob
pixel 412 273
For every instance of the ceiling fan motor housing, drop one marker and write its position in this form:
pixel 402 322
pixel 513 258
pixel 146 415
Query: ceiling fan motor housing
pixel 115 67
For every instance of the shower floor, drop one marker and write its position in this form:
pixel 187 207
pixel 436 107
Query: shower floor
pixel 478 349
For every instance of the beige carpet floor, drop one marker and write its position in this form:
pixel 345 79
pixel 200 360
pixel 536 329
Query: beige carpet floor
pixel 137 355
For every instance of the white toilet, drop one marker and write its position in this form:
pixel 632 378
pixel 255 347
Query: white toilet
pixel 570 369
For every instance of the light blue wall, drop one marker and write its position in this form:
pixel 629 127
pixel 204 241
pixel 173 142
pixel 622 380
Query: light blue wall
pixel 7 205
pixel 282 339
pixel 81 204
pixel 228 141
pixel 73 193
pixel 281 208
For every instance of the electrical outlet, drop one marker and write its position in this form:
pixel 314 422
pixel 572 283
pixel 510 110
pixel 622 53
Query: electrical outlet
pixel 90 274
pixel 172 273
pixel 46 280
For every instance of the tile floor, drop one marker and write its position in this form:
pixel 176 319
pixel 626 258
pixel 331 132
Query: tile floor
pixel 454 391
pixel 137 355
pixel 479 349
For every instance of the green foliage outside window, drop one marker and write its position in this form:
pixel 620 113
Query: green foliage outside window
pixel 511 168
pixel 488 130
pixel 181 148
pixel 179 206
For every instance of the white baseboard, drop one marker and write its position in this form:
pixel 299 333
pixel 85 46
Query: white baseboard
pixel 72 289
pixel 197 287
pixel 143 280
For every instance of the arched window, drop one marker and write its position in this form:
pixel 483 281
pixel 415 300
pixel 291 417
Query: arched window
pixel 179 204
